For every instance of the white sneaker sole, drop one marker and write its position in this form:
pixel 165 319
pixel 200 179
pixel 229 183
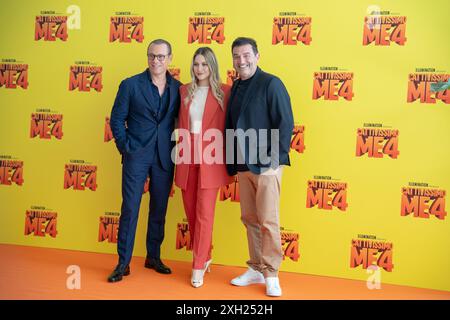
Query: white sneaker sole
pixel 273 294
pixel 244 284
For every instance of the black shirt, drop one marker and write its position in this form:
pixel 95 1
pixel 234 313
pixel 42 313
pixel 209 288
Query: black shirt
pixel 236 104
pixel 160 101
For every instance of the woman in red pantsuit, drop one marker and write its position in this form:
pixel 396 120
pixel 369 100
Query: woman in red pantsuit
pixel 201 172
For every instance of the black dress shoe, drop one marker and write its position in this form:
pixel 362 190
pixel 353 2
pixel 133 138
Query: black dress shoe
pixel 119 272
pixel 156 263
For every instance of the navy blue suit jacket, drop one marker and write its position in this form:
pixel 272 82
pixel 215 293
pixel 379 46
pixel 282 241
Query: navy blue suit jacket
pixel 266 105
pixel 135 122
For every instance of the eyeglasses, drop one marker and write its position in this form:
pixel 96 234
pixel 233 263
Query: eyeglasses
pixel 160 57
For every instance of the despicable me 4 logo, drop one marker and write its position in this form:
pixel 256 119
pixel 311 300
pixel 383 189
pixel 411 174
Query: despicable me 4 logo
pixel 290 30
pixel 50 28
pixel 11 172
pixel 40 223
pixel 326 195
pixel 232 76
pixel 377 143
pixel 107 132
pixel 203 28
pixel 174 72
pixel 84 78
pixel 126 29
pixel 333 86
pixel 423 202
pixel 369 252
pixel 384 30
pixel 183 237
pixel 298 139
pixel 80 176
pixel 46 125
pixel 13 75
pixel 289 244
pixel 230 191
pixel 108 227
pixel 420 88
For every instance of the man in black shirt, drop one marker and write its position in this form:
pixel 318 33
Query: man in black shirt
pixel 260 123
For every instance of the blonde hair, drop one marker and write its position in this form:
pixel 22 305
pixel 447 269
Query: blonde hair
pixel 214 77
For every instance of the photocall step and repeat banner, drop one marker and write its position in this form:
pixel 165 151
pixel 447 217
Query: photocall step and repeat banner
pixel 365 195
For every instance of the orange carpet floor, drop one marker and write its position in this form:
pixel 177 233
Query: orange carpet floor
pixel 40 273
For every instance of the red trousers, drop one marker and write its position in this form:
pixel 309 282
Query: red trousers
pixel 199 205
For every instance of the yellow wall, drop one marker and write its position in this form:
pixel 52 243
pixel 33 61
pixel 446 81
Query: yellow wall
pixel 420 254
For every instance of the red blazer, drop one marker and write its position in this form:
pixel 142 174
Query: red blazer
pixel 211 175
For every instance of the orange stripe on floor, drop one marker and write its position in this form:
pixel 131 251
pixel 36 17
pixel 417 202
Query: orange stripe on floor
pixel 40 273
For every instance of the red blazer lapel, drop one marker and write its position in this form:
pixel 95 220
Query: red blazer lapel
pixel 211 107
pixel 184 111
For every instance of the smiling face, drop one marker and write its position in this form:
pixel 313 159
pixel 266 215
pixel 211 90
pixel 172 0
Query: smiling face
pixel 245 61
pixel 158 59
pixel 201 70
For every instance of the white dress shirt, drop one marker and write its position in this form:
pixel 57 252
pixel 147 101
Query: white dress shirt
pixel 197 108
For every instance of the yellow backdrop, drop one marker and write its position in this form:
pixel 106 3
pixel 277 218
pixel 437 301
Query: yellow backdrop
pixel 370 152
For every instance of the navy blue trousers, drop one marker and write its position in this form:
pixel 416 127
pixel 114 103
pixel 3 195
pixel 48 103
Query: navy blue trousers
pixel 135 169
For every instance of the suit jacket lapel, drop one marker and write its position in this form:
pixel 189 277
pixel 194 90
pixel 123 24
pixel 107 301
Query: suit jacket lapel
pixel 145 88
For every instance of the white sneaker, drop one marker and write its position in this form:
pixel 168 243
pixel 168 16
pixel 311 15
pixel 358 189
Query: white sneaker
pixel 249 277
pixel 273 288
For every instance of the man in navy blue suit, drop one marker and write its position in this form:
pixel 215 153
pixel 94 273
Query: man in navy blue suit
pixel 142 121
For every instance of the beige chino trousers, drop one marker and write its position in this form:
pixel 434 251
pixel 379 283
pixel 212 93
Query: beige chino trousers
pixel 260 202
